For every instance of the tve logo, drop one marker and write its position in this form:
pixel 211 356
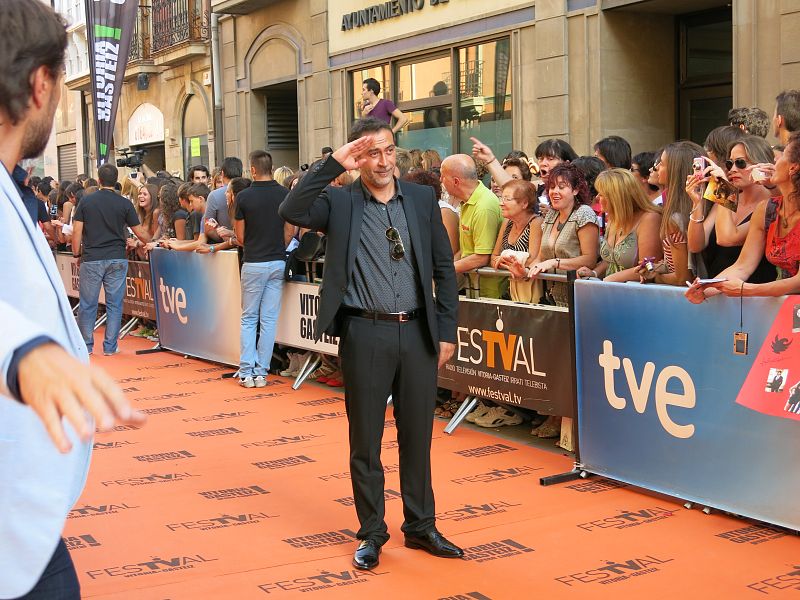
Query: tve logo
pixel 173 300
pixel 640 389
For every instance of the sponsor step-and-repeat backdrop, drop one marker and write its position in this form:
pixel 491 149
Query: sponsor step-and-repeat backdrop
pixel 139 301
pixel 520 354
pixel 667 404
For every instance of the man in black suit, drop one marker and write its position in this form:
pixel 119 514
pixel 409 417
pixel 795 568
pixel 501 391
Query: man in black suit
pixel 386 247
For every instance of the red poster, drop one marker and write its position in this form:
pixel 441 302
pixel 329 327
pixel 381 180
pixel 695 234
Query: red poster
pixel 773 385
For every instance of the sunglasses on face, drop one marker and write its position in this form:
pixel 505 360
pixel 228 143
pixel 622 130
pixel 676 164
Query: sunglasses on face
pixel 740 164
pixel 656 165
pixel 397 251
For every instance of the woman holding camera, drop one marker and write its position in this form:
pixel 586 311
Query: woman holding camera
pixel 673 168
pixel 774 233
pixel 722 232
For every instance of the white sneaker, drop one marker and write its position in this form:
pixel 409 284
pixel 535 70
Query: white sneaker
pixel 287 372
pixel 260 381
pixel 497 416
pixel 247 382
pixel 479 411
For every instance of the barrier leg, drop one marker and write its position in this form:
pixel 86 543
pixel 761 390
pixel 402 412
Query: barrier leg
pixel 576 473
pixel 308 367
pixel 463 410
pixel 100 321
pixel 389 400
pixel 154 349
pixel 75 308
pixel 128 327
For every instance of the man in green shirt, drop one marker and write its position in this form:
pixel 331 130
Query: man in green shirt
pixel 479 222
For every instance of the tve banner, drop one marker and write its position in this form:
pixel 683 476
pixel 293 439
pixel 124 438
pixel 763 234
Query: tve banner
pixel 198 297
pixel 664 402
pixel 109 29
pixel 519 354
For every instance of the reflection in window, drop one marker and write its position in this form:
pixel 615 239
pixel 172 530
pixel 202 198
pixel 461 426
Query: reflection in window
pixel 485 96
pixel 429 128
pixel 381 74
pixel 421 80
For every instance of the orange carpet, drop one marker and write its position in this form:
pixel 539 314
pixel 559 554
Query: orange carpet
pixel 234 493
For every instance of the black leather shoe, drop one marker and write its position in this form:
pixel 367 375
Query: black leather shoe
pixel 434 543
pixel 366 556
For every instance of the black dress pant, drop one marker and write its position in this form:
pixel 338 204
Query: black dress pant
pixel 381 358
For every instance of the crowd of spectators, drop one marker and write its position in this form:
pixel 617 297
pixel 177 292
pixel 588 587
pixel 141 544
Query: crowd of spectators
pixel 679 214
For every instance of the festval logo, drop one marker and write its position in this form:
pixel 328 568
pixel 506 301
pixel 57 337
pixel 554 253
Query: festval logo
pixel 99 510
pixel 476 511
pixel 162 410
pixel 616 571
pixel 282 463
pixel 322 401
pixel 162 456
pixel 788 580
pixel 496 475
pixel 282 441
pixel 628 518
pixel 222 521
pixel 325 580
pixel 772 386
pixel 151 479
pixel 112 445
pixel 154 566
pixel 214 432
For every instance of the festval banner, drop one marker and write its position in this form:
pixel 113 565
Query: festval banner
pixel 519 354
pixel 665 403
pixel 109 28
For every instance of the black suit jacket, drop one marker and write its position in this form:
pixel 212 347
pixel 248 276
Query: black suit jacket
pixel 338 213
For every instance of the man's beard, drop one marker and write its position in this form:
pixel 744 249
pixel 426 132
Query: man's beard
pixel 37 134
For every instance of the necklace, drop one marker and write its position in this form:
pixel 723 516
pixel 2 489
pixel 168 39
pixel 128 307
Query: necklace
pixel 560 225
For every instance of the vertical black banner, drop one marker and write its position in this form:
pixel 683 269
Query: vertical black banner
pixel 109 28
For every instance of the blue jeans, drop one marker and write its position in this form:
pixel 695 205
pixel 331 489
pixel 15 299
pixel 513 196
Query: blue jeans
pixel 59 580
pixel 111 275
pixel 262 284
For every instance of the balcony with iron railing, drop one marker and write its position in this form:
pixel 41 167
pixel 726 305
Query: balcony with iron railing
pixel 181 30
pixel 140 59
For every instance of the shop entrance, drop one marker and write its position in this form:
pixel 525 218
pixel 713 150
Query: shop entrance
pixel 278 107
pixel 705 77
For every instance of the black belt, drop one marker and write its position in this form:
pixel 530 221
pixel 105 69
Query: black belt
pixel 399 317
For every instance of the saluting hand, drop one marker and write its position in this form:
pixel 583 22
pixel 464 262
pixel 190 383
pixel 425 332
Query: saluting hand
pixel 350 155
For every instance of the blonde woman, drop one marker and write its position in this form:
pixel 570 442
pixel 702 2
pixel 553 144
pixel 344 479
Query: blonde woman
pixel 282 175
pixel 633 227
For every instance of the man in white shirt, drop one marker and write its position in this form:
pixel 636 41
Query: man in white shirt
pixel 50 399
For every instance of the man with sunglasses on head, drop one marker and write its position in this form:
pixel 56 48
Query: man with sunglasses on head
pixel 386 249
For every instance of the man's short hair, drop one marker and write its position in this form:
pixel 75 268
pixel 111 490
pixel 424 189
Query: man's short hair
pixel 107 175
pixel 327 150
pixel 24 51
pixel 616 150
pixel 372 85
pixel 44 187
pixel 367 126
pixel 261 161
pixel 194 168
pixel 754 120
pixel 199 189
pixel 788 107
pixel 232 167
